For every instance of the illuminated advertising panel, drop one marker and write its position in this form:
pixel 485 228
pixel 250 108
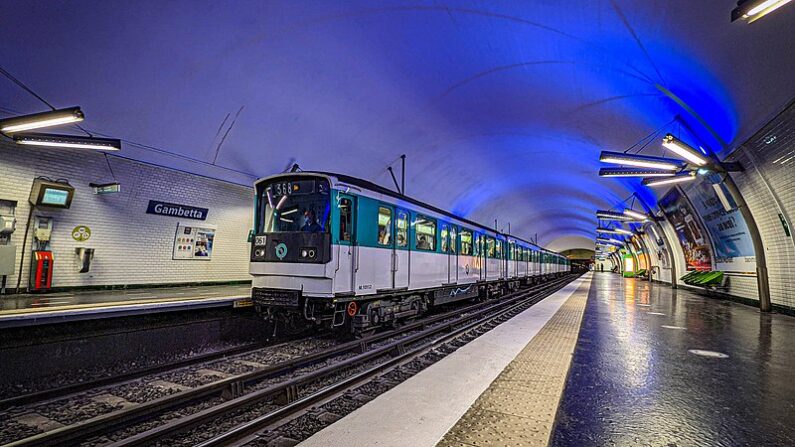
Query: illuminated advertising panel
pixel 692 236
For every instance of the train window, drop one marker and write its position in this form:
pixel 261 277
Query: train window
pixel 511 251
pixel 425 233
pixel 453 239
pixel 402 225
pixel 490 247
pixel 384 225
pixel 476 244
pixel 499 249
pixel 445 239
pixel 346 219
pixel 466 242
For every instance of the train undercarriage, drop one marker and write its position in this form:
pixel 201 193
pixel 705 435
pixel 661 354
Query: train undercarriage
pixel 288 312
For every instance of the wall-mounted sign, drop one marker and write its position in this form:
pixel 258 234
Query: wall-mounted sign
pixel 81 233
pixel 193 242
pixel 176 210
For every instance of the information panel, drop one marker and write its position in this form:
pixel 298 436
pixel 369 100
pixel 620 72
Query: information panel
pixel 194 243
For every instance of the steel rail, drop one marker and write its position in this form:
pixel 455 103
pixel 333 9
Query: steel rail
pixel 234 384
pixel 286 390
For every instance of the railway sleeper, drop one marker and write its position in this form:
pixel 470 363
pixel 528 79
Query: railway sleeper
pixel 233 390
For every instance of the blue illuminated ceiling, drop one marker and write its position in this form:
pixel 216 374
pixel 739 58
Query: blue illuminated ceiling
pixel 501 107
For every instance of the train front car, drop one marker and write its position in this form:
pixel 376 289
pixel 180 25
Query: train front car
pixel 291 253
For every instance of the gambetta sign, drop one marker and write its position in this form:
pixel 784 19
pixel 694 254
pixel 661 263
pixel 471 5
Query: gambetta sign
pixel 176 210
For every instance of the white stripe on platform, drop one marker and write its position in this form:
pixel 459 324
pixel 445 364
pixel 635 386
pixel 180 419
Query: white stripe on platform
pixel 419 411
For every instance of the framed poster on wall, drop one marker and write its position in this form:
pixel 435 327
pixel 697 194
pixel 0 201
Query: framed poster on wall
pixel 692 236
pixel 194 242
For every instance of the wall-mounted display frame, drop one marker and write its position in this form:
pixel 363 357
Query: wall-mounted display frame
pixel 193 242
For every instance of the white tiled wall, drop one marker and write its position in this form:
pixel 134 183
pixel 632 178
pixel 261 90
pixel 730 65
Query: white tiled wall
pixel 768 186
pixel 131 247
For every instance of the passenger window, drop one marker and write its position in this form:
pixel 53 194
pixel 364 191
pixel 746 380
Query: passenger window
pixel 346 219
pixel 384 226
pixel 453 239
pixel 445 239
pixel 511 251
pixel 499 250
pixel 466 242
pixel 490 248
pixel 402 229
pixel 425 233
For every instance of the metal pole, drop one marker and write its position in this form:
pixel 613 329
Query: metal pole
pixel 762 280
pixel 392 173
pixel 403 174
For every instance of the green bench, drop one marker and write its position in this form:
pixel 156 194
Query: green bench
pixel 704 279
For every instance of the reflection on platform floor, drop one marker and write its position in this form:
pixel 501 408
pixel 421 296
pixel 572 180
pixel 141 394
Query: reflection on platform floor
pixel 656 366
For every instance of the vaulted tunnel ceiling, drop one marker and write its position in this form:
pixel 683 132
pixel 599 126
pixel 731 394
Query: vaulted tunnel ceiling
pixel 501 107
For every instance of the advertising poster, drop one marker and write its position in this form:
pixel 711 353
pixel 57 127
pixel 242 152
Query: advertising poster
pixel 691 235
pixel 731 241
pixel 193 243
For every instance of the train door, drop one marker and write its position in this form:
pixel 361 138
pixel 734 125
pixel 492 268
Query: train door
pixel 444 235
pixel 453 259
pixel 401 258
pixel 344 278
pixel 381 262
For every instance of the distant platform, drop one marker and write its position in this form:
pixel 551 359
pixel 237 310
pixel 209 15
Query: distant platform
pixel 605 361
pixel 37 309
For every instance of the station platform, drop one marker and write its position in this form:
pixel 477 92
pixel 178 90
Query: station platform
pixel 36 309
pixel 604 361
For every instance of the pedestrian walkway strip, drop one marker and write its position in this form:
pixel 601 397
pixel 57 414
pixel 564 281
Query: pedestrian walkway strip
pixel 519 406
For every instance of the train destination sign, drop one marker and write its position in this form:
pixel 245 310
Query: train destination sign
pixel 176 210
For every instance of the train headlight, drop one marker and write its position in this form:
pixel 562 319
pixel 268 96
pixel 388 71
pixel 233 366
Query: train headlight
pixel 259 252
pixel 308 252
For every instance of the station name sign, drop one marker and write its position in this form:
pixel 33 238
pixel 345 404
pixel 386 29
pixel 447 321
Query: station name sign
pixel 176 210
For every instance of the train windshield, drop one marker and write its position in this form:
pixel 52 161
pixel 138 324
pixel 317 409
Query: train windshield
pixel 291 205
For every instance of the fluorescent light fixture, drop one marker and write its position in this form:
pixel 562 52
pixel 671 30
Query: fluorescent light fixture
pixel 679 178
pixel 105 188
pixel 640 161
pixel 68 141
pixel 633 172
pixel 635 215
pixel 608 240
pixel 683 150
pixel 612 215
pixel 724 199
pixel 606 230
pixel 38 120
pixel 623 231
pixel 753 10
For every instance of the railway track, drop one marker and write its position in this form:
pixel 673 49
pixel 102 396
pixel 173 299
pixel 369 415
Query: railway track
pixel 267 394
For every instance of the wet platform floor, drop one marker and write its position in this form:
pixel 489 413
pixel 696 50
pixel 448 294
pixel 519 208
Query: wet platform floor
pixel 637 378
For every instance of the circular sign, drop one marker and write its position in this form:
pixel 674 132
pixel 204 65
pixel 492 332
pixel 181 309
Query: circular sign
pixel 352 308
pixel 281 251
pixel 81 233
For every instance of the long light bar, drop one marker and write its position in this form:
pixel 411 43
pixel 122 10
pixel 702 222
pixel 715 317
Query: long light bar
pixel 606 230
pixel 39 120
pixel 612 215
pixel 753 10
pixel 623 231
pixel 640 161
pixel 635 215
pixel 683 150
pixel 679 178
pixel 609 240
pixel 68 141
pixel 633 172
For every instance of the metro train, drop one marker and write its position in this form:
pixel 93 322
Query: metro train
pixel 339 252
